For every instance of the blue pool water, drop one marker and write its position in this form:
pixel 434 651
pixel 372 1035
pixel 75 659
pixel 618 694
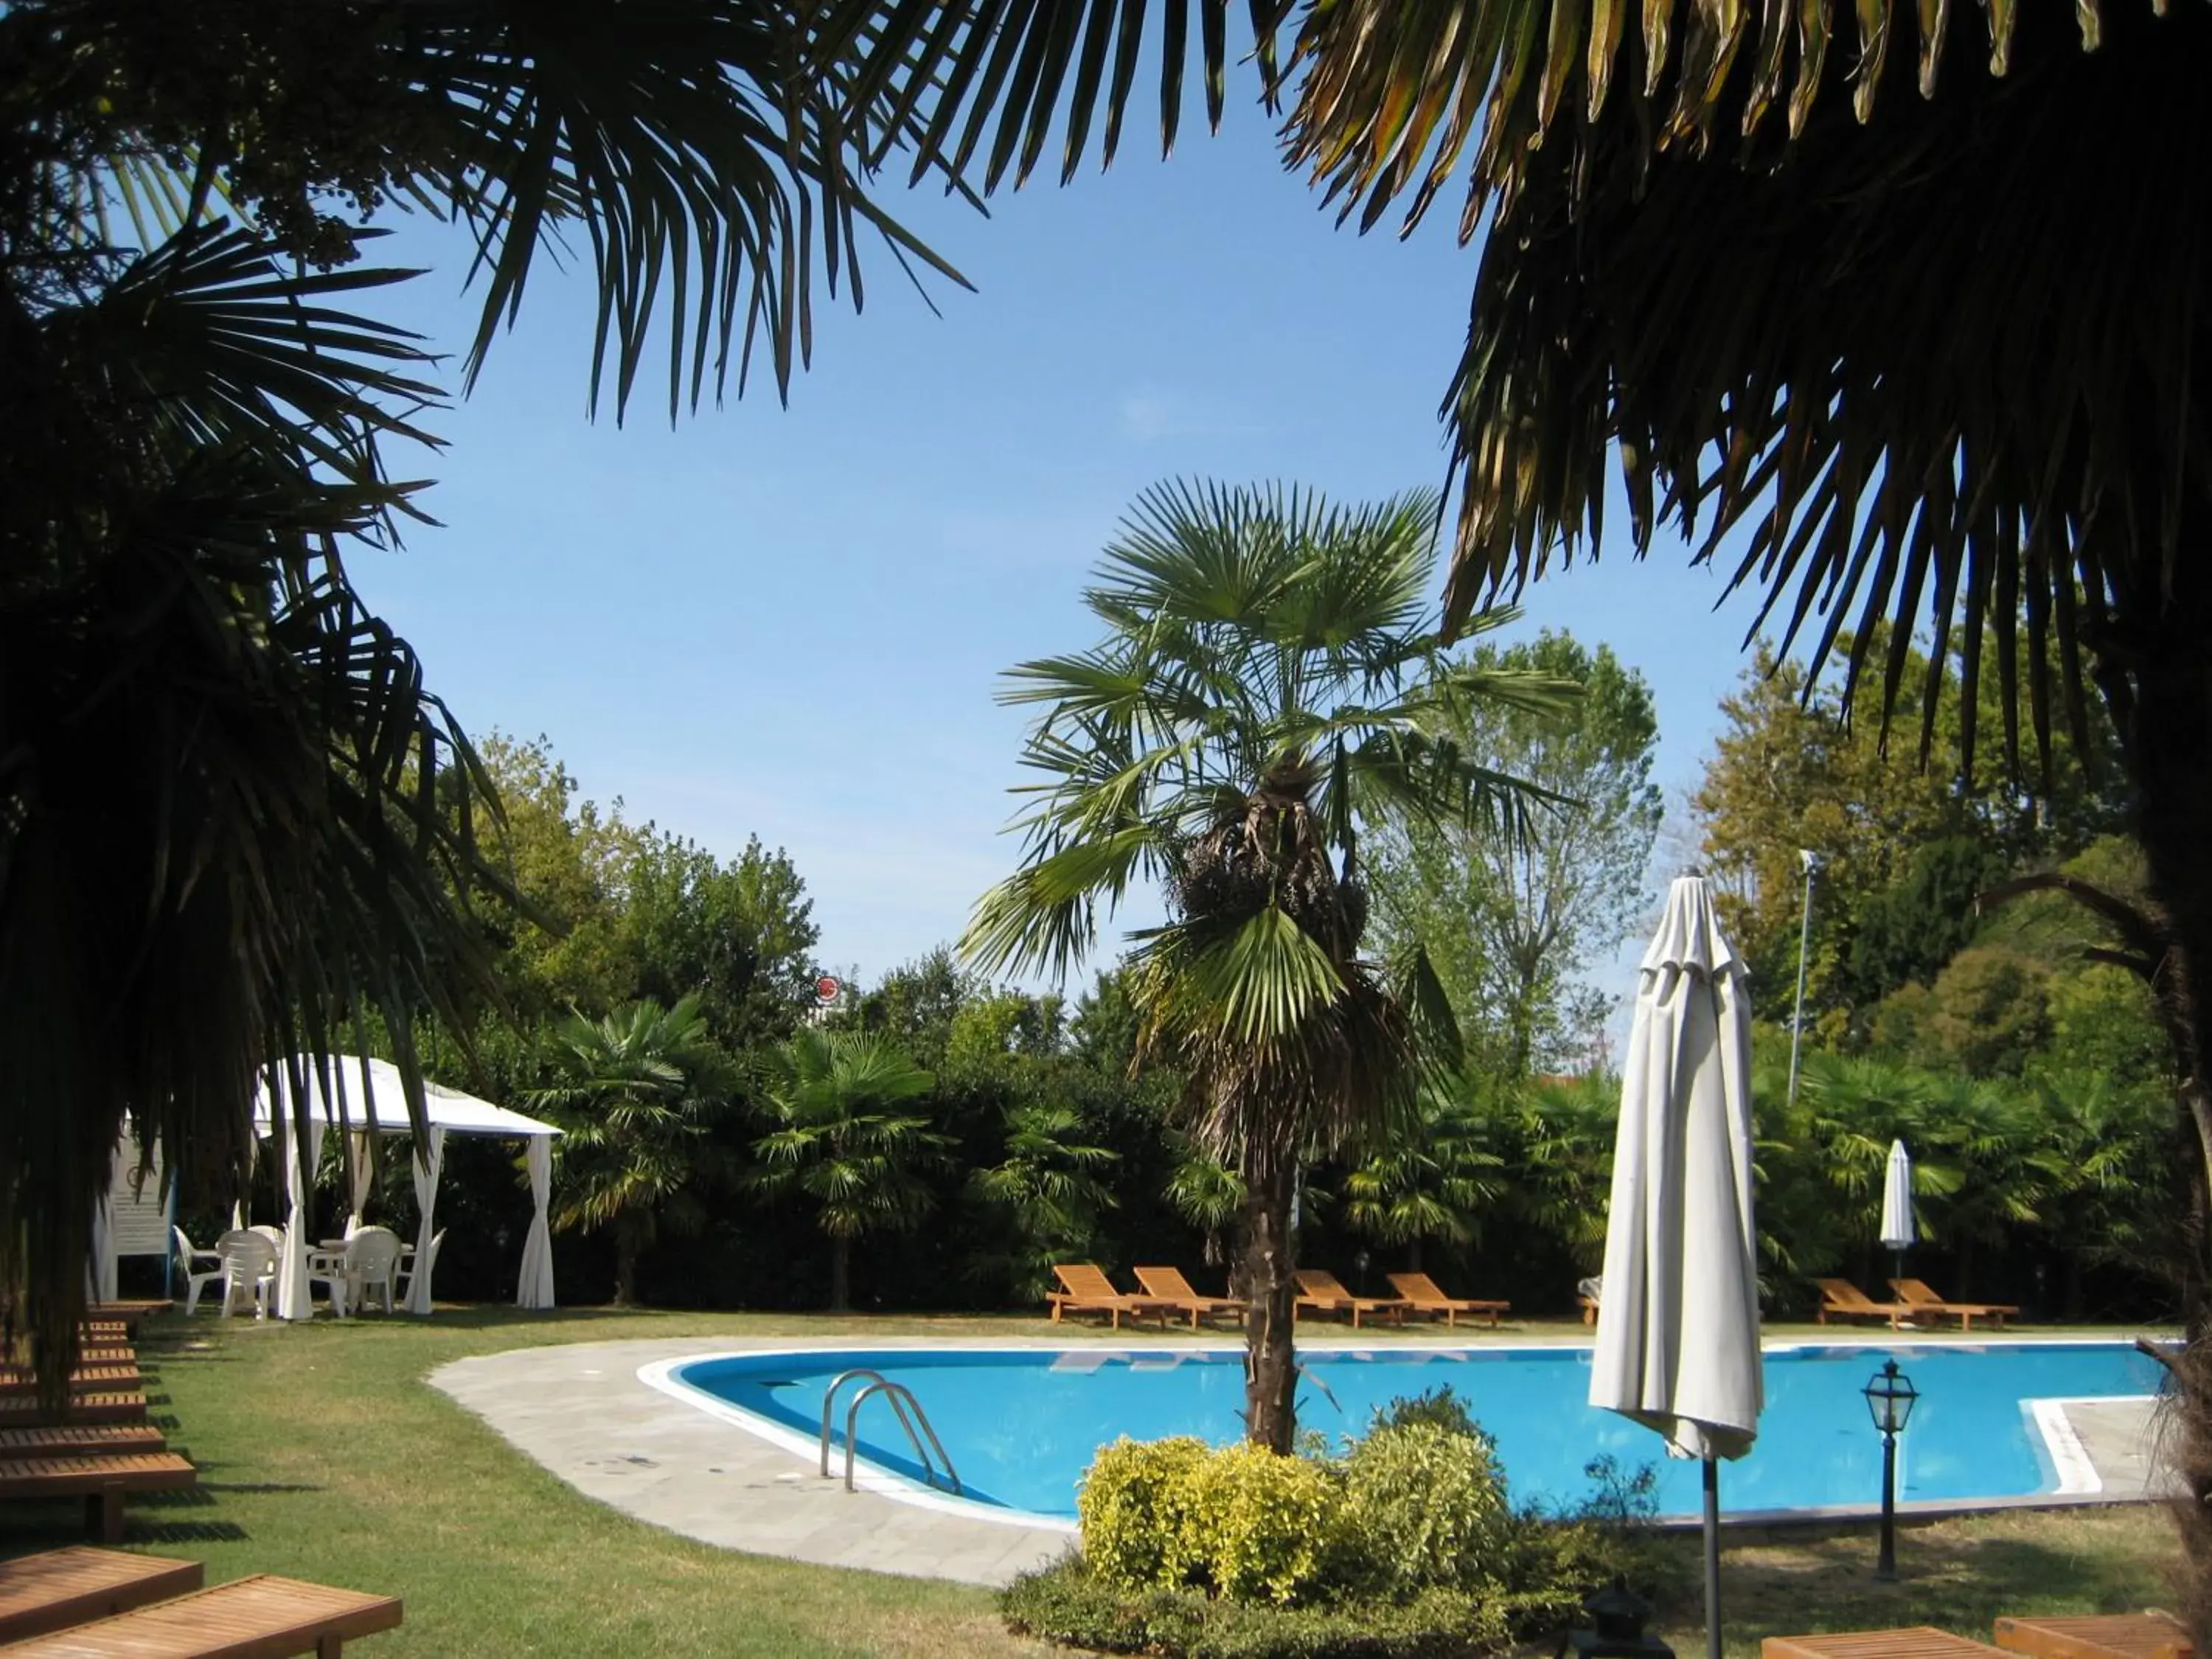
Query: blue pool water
pixel 1021 1425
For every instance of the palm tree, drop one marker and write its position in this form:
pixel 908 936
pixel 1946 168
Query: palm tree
pixel 841 1141
pixel 638 1097
pixel 1434 1183
pixel 1270 682
pixel 234 824
pixel 1047 1183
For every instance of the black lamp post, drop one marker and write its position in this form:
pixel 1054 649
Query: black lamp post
pixel 1889 1397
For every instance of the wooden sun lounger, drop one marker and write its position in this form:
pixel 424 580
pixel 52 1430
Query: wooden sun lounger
pixel 1319 1291
pixel 1423 1296
pixel 1916 1295
pixel 66 1587
pixel 1168 1286
pixel 80 1440
pixel 1084 1288
pixel 102 1482
pixel 1920 1641
pixel 1845 1300
pixel 100 1353
pixel 264 1617
pixel 17 1384
pixel 113 1406
pixel 2106 1636
pixel 129 1312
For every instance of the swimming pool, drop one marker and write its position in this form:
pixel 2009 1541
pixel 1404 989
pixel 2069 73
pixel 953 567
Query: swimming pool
pixel 1021 1424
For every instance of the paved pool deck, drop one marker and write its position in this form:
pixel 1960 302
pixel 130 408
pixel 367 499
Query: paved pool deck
pixel 583 1412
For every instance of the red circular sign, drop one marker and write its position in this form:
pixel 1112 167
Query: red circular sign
pixel 826 988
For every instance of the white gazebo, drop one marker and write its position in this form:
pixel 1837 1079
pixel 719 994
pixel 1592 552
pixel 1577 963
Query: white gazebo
pixel 336 1100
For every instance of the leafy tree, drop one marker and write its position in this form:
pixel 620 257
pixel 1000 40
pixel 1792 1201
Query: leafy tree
pixel 1269 684
pixel 739 935
pixel 1509 919
pixel 1048 1184
pixel 637 1094
pixel 842 1140
pixel 1433 1184
pixel 568 857
pixel 915 1005
pixel 1989 1011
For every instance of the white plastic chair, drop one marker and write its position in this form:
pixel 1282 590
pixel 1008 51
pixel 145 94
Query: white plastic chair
pixel 424 1262
pixel 372 1266
pixel 249 1267
pixel 200 1268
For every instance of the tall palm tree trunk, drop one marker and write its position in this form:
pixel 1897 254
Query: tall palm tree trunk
pixel 1270 1370
pixel 629 1244
pixel 841 1273
pixel 2167 733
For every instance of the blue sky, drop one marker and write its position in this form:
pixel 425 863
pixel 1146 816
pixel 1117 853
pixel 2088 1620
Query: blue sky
pixel 788 622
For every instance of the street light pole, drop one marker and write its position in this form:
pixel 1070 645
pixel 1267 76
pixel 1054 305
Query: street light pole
pixel 1884 1566
pixel 1811 863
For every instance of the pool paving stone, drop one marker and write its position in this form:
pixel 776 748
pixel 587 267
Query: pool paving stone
pixel 581 1411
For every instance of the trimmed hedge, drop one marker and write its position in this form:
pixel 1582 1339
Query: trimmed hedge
pixel 1068 1605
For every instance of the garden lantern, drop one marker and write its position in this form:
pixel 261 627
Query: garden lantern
pixel 1889 1396
pixel 1615 1631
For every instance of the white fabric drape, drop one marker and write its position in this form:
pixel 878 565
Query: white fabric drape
pixel 364 1172
pixel 1897 1228
pixel 1678 1328
pixel 535 1288
pixel 293 1299
pixel 99 1271
pixel 426 1201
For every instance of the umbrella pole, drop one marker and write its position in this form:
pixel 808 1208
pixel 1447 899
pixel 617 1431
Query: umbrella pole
pixel 1713 1558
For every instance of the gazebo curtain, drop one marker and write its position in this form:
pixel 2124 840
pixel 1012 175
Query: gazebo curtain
pixel 426 1201
pixel 293 1301
pixel 535 1288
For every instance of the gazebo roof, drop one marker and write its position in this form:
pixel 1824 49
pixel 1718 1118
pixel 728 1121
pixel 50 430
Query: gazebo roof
pixel 386 1107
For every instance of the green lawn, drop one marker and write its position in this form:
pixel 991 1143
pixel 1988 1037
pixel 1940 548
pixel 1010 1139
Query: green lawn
pixel 323 1454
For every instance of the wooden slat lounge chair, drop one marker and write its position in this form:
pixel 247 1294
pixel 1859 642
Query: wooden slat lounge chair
pixel 1424 1297
pixel 1916 1295
pixel 102 1482
pixel 1084 1288
pixel 2105 1635
pixel 1841 1299
pixel 80 1440
pixel 264 1617
pixel 1319 1291
pixel 130 1313
pixel 66 1587
pixel 1167 1286
pixel 89 1354
pixel 17 1382
pixel 114 1406
pixel 1920 1641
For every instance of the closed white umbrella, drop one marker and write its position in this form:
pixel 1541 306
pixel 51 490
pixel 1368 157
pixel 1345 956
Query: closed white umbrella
pixel 1678 1328
pixel 1898 1233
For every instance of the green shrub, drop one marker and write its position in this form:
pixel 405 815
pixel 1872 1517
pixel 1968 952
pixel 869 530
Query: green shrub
pixel 1130 1504
pixel 1425 1506
pixel 1256 1524
pixel 1440 1408
pixel 1070 1605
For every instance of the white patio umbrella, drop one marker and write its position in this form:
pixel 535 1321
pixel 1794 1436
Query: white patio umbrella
pixel 1678 1328
pixel 1898 1233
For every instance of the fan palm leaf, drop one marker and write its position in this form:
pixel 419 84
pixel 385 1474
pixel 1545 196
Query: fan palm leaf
pixel 1271 682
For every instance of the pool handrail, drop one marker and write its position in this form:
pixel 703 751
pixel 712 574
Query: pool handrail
pixel 901 1396
pixel 829 1403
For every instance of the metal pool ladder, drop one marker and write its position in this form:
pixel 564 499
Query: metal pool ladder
pixel 916 1425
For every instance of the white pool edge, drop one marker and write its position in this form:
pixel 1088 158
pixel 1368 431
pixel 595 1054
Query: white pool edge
pixel 2078 1480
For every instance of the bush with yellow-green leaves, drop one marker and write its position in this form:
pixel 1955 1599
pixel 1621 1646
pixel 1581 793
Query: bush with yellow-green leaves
pixel 1406 1544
